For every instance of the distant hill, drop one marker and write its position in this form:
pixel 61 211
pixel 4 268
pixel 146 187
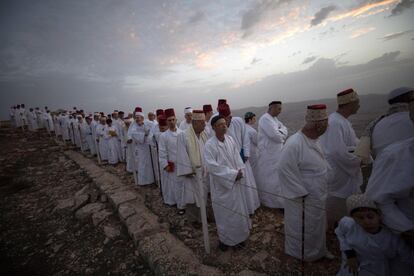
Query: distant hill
pixel 293 114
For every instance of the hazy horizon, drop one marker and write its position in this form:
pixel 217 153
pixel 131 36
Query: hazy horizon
pixel 104 54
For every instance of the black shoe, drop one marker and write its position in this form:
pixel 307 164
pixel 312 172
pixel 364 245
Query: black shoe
pixel 223 247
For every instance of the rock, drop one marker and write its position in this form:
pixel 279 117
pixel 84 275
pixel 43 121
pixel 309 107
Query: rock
pixel 267 238
pixel 248 272
pixel 255 237
pixel 100 216
pixel 111 232
pixel 88 210
pixel 57 247
pixel 259 258
pixel 81 201
pixel 103 198
pixel 123 266
pixel 82 191
pixel 65 204
pixel 121 197
pixel 125 211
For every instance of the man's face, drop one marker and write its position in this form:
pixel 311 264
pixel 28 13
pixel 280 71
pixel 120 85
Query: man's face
pixel 198 125
pixel 321 126
pixel 139 119
pixel 151 116
pixel 220 127
pixel 171 121
pixel 354 107
pixel 275 109
pixel 188 117
pixel 228 120
pixel 102 121
pixel 115 116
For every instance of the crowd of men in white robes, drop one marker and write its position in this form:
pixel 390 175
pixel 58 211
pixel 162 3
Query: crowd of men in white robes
pixel 240 167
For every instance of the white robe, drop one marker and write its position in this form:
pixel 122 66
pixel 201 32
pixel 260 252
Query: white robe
pixel 76 133
pixel 120 125
pixel 338 143
pixel 32 119
pixel 142 152
pixel 102 143
pixel 373 251
pixel 223 162
pixel 237 130
pixel 271 136
pixel 113 144
pixel 253 150
pixel 303 171
pixel 172 185
pixel 47 117
pixel 86 131
pixel 393 128
pixel 184 125
pixel 63 121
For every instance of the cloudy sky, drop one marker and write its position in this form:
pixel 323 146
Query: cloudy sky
pixel 106 54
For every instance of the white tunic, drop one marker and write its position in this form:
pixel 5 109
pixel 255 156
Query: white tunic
pixel 373 251
pixel 113 144
pixel 253 149
pixel 102 143
pixel 338 143
pixel 32 119
pixel 303 171
pixel 391 185
pixel 393 128
pixel 140 134
pixel 172 185
pixel 223 162
pixel 86 133
pixel 120 125
pixel 271 136
pixel 237 130
pixel 184 125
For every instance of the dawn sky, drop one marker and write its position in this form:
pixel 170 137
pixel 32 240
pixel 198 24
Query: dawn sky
pixel 102 54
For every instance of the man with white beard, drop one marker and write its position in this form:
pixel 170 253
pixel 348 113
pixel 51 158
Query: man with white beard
pixel 304 174
pixel 172 184
pixel 339 142
pixel 186 123
pixel 139 134
pixel 271 137
pixel 226 170
pixel 236 128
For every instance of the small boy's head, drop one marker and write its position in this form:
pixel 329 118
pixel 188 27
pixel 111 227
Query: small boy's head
pixel 364 212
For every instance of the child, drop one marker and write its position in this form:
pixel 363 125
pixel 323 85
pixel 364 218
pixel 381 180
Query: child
pixel 367 246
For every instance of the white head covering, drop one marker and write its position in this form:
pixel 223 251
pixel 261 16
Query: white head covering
pixel 399 91
pixel 188 110
pixel 359 201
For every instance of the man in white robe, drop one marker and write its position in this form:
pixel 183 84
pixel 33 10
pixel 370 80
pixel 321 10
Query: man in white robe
pixel 139 134
pixel 236 128
pixel 119 125
pixel 32 120
pixel 48 121
pixel 155 133
pixel 172 184
pixel 304 175
pixel 86 129
pixel 190 165
pixel 339 142
pixel 226 169
pixel 23 116
pixel 186 123
pixel 63 119
pixel 389 128
pixel 111 136
pixel 271 137
pixel 102 143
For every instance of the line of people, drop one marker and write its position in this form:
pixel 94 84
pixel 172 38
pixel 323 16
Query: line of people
pixel 314 175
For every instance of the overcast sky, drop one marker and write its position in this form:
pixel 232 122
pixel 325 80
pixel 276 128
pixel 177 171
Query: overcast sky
pixel 102 55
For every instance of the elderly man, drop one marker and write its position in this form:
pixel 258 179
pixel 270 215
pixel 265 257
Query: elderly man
pixel 303 174
pixel 226 169
pixel 190 165
pixel 339 142
pixel 168 163
pixel 271 136
pixel 391 186
pixel 186 123
pixel 236 128
pixel 390 128
pixel 139 134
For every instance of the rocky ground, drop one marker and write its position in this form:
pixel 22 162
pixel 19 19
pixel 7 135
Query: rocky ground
pixel 46 225
pixel 38 234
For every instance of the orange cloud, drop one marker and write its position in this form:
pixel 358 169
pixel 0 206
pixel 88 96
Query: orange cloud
pixel 361 32
pixel 362 10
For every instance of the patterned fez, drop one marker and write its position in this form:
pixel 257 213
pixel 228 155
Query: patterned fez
pixel 347 96
pixel 359 201
pixel 198 115
pixel 316 112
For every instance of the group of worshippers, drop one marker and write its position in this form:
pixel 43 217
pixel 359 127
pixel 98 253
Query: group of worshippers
pixel 314 175
pixel 32 119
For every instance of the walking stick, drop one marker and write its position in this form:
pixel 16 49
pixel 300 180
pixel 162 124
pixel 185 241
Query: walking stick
pixel 203 210
pixel 98 154
pixel 152 163
pixel 134 171
pixel 159 169
pixel 303 237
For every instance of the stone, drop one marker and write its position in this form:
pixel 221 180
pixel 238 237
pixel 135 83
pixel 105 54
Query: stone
pixel 81 201
pixel 248 272
pixel 121 197
pixel 125 211
pixel 111 232
pixel 57 247
pixel 103 198
pixel 82 191
pixel 65 204
pixel 88 210
pixel 260 258
pixel 266 238
pixel 100 216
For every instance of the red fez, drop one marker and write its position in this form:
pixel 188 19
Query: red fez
pixel 207 108
pixel 224 110
pixel 138 109
pixel 159 112
pixel 169 112
pixel 221 101
pixel 317 106
pixel 162 121
pixel 345 92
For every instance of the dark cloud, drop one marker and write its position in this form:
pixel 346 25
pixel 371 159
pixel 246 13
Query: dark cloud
pixel 396 35
pixel 401 7
pixel 321 15
pixel 309 59
pixel 252 16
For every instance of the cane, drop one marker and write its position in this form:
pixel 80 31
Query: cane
pixel 159 169
pixel 98 154
pixel 203 212
pixel 134 171
pixel 152 163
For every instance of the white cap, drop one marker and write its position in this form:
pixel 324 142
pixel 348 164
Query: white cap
pixel 359 201
pixel 399 91
pixel 188 110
